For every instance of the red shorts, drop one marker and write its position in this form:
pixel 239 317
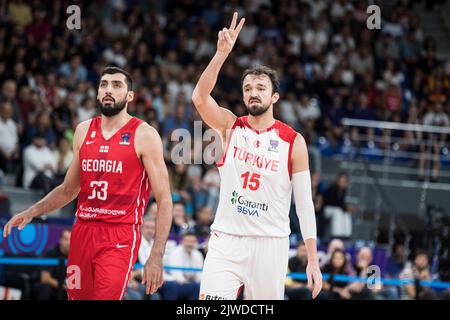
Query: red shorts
pixel 101 258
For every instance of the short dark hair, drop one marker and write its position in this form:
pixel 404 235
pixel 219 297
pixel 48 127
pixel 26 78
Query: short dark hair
pixel 114 70
pixel 259 70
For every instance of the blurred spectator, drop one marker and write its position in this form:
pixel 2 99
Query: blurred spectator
pixel 115 28
pixel 148 233
pixel 396 261
pixel 51 284
pixel 417 270
pixel 64 157
pixel 433 142
pixel 9 142
pixel 297 289
pixel 337 223
pixel 40 165
pixel 9 91
pixel 135 289
pixel 20 13
pixel 86 110
pixel 211 183
pixel 203 221
pixel 307 109
pixel 180 222
pixel 362 60
pixel 43 127
pixel 359 290
pixel 74 70
pixel 334 289
pixel 178 121
pixel 180 284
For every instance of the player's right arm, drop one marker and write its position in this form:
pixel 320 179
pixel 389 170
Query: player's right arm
pixel 215 116
pixel 61 195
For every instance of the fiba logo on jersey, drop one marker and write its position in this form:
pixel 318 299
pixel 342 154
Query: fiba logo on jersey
pixel 273 145
pixel 125 139
pixel 93 134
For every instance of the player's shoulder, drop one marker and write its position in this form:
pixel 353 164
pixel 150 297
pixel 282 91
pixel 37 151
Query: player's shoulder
pixel 146 133
pixel 83 126
pixel 286 132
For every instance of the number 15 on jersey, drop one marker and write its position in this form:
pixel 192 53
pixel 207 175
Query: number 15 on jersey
pixel 251 180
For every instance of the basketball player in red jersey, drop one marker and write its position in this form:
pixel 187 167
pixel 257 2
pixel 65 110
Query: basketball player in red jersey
pixel 116 156
pixel 264 162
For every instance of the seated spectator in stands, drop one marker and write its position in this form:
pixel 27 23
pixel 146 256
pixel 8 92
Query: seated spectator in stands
pixel 332 121
pixel 5 203
pixel 317 195
pixel 334 196
pixel 87 109
pixel 334 289
pixel 396 261
pixel 359 290
pixel 211 184
pixel 43 126
pixel 64 115
pixel 40 165
pixel 203 221
pixel 64 157
pixel 296 289
pixel 180 222
pixel 51 284
pixel 177 121
pixel 363 112
pixel 333 245
pixel 8 93
pixel 436 116
pixel 180 284
pixel 74 70
pixel 307 108
pixel 417 270
pixel 178 181
pixel 152 211
pixel 9 142
pixel 135 289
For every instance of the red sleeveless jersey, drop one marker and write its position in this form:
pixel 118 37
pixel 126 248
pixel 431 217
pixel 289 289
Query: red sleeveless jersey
pixel 114 184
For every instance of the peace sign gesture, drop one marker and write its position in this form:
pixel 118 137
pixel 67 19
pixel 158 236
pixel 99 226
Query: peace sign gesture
pixel 228 36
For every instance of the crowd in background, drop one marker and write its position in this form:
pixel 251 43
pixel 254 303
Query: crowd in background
pixel 331 66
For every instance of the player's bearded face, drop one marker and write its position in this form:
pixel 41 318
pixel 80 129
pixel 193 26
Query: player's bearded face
pixel 256 107
pixel 109 107
pixel 257 92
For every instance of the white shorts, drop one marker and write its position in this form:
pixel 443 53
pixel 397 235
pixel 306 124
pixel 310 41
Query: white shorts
pixel 259 264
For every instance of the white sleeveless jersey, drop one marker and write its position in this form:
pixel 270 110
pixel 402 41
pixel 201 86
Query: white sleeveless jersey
pixel 255 186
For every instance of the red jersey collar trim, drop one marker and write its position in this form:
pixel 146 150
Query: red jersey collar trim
pixel 275 125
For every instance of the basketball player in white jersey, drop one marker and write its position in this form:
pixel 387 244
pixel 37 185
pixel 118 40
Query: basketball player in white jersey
pixel 264 161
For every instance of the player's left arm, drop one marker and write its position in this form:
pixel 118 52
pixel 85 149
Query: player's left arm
pixel 301 185
pixel 150 149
